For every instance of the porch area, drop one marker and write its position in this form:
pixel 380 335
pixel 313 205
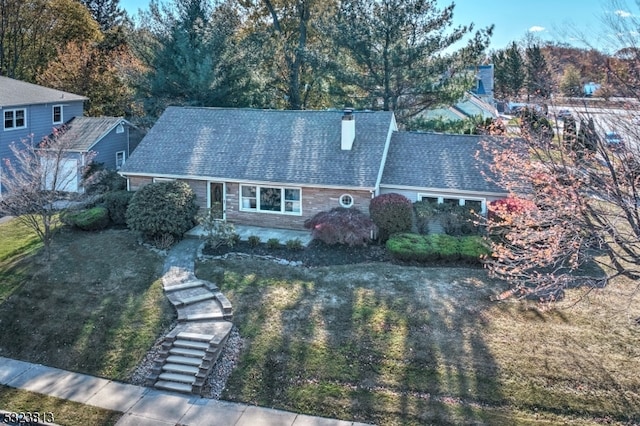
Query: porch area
pixel 265 234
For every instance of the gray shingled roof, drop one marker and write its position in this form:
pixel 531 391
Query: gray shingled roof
pixel 292 147
pixel 18 93
pixel 436 161
pixel 84 132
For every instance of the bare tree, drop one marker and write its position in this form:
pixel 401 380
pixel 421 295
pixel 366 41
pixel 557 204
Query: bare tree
pixel 32 180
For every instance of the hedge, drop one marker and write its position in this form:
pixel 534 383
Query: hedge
pixel 437 247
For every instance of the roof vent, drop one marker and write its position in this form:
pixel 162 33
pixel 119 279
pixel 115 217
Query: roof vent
pixel 348 129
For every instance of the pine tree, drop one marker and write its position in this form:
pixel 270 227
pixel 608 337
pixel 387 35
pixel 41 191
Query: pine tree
pixel 538 76
pixel 394 53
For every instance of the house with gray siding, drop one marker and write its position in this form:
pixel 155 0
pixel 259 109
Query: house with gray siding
pixel 279 168
pixel 32 112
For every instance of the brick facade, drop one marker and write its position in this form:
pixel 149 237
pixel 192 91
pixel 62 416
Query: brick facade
pixel 314 200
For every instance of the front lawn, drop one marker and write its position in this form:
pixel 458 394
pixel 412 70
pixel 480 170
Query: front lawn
pixel 63 412
pixel 390 344
pixel 96 307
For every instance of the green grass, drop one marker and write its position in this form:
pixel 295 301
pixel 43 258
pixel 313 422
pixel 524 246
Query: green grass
pixel 64 412
pixel 96 307
pixel 17 241
pixel 390 345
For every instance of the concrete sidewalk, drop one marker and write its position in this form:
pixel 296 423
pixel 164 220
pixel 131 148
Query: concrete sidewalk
pixel 145 406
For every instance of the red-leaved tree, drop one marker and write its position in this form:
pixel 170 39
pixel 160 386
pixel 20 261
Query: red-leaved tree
pixel 568 207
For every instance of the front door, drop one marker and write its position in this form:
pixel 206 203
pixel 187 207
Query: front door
pixel 216 197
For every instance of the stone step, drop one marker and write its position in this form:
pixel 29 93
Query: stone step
pixel 195 336
pixel 195 299
pixel 224 302
pixel 173 386
pixel 180 368
pixel 202 317
pixel 187 353
pixel 190 344
pixel 184 286
pixel 176 377
pixel 185 360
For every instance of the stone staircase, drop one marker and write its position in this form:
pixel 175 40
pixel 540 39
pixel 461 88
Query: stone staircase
pixel 192 348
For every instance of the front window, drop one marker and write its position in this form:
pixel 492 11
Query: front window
pixel 15 119
pixel 478 205
pixel 57 114
pixel 270 199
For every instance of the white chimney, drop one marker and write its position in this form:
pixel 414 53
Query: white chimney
pixel 348 129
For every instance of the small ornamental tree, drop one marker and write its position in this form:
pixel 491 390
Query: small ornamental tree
pixel 32 179
pixel 392 213
pixel 162 209
pixel 341 226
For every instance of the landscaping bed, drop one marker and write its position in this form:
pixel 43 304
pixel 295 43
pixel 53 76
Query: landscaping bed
pixel 316 253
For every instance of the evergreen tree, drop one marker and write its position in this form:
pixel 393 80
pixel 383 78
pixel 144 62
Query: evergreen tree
pixel 188 51
pixel 538 76
pixel 395 54
pixel 570 82
pixel 509 72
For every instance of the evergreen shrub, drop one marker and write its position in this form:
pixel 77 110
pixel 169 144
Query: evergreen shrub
pixel 162 208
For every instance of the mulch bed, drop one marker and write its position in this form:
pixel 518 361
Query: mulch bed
pixel 316 253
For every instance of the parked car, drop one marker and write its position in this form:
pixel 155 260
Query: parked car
pixel 613 139
pixel 563 113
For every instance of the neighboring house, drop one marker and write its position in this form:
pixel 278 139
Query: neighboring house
pixel 31 112
pixel 590 88
pixel 279 168
pixel 471 106
pixel 104 140
pixel 484 83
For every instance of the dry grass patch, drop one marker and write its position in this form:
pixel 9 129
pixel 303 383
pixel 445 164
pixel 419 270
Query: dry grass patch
pixel 387 344
pixel 64 412
pixel 96 307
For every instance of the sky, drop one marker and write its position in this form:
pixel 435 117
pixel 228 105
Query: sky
pixel 548 20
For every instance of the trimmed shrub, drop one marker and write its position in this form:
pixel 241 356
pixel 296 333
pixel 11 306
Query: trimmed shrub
pixel 341 225
pixel 273 243
pixel 162 208
pixel 294 244
pixel 446 246
pixel 473 249
pixel 92 219
pixel 116 203
pixel 96 179
pixel 217 232
pixel 458 221
pixel 437 247
pixel 392 213
pixel 253 240
pixel 425 211
pixel 411 248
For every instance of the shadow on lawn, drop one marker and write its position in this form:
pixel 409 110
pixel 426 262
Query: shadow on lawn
pixel 357 343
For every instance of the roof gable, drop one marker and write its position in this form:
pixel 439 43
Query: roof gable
pixel 20 93
pixel 82 133
pixel 290 147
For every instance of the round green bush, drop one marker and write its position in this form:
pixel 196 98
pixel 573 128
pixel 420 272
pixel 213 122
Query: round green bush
pixel 162 208
pixel 92 219
pixel 392 213
pixel 117 203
